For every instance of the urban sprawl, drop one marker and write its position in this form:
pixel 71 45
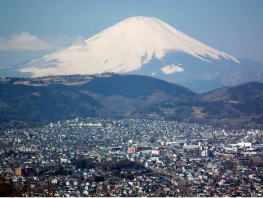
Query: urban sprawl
pixel 131 157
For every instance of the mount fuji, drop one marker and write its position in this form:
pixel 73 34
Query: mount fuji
pixel 148 46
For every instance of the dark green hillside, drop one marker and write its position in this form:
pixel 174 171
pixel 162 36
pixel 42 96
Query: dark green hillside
pixel 45 99
pixel 239 106
pixel 135 86
pixel 64 97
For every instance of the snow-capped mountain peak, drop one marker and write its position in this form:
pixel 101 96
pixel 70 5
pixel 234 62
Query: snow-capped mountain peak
pixel 124 47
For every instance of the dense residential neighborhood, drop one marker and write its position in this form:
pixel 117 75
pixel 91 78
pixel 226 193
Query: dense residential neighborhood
pixel 131 157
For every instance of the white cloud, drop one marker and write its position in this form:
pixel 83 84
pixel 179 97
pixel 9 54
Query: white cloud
pixel 27 42
pixel 170 69
pixel 24 42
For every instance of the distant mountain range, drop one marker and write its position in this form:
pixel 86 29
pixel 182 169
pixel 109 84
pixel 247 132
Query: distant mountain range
pixel 26 101
pixel 146 46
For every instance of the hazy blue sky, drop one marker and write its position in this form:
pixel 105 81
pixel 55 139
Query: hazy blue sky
pixel 233 26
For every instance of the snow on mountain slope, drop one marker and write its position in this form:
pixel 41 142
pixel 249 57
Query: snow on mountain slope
pixel 170 69
pixel 122 48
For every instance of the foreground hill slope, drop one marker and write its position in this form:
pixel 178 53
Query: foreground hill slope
pixel 239 106
pixel 45 99
pixel 64 97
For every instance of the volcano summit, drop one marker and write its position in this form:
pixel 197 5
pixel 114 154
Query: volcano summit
pixel 148 46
